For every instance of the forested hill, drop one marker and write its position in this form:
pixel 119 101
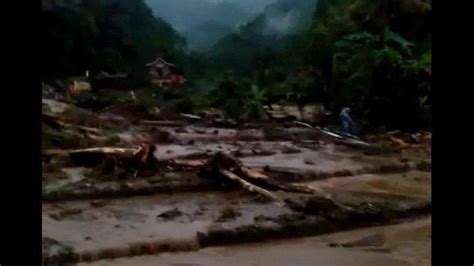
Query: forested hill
pixel 102 35
pixel 268 32
pixel 374 56
pixel 371 55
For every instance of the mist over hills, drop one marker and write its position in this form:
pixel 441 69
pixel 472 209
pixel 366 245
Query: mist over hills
pixel 270 31
pixel 203 22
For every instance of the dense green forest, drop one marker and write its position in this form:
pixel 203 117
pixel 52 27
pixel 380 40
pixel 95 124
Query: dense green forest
pixel 102 35
pixel 374 56
pixel 371 55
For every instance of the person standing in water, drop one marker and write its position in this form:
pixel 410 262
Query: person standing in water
pixel 348 126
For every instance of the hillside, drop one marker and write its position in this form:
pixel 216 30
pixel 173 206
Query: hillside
pixel 269 32
pixel 101 35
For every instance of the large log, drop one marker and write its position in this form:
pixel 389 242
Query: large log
pixel 185 164
pixel 303 124
pixel 247 185
pixel 264 181
pixel 258 180
pixel 91 130
pixel 140 161
pixel 95 156
pixel 191 116
pixel 106 151
pixel 363 145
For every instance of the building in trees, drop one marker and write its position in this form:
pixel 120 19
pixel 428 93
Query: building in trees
pixel 159 69
pixel 164 73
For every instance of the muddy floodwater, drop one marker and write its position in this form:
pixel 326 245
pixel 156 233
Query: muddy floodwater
pixel 154 192
pixel 407 243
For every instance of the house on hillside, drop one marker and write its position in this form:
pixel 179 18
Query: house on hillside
pixel 157 72
pixel 164 73
pixel 159 69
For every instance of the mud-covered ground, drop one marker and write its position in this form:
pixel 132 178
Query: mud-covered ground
pixel 175 216
pixel 407 243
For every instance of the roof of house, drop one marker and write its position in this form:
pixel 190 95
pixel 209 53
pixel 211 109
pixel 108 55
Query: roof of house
pixel 159 60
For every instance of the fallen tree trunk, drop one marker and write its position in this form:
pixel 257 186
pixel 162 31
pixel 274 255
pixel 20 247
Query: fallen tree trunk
pixel 264 181
pixel 258 181
pixel 303 124
pixel 191 116
pixel 294 188
pixel 105 151
pixel 247 185
pixel 131 162
pixel 364 146
pixel 95 156
pixel 91 130
pixel 253 174
pixel 182 165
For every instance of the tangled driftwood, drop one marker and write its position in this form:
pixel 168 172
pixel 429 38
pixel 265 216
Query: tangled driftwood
pixel 229 170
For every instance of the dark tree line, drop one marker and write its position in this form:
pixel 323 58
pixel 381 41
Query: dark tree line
pixel 372 55
pixel 102 35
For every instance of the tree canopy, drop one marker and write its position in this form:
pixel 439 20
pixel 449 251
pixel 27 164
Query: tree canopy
pixel 102 35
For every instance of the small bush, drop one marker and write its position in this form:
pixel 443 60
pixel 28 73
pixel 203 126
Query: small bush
pixel 238 98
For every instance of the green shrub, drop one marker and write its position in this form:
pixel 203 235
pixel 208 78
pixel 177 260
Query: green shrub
pixel 237 97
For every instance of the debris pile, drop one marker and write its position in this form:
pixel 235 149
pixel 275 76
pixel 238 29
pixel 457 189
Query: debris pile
pixel 230 172
pixel 237 169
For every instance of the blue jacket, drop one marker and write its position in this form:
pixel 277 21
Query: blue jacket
pixel 345 116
